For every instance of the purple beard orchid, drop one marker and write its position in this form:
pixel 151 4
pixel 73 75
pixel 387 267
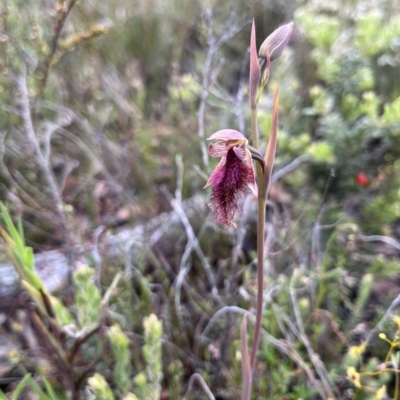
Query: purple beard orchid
pixel 232 178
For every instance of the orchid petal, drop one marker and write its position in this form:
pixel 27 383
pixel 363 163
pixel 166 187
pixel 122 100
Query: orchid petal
pixel 227 134
pixel 253 187
pixel 251 184
pixel 216 173
pixel 241 152
pixel 218 149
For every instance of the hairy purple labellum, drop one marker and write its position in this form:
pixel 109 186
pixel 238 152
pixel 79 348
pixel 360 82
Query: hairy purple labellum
pixel 232 178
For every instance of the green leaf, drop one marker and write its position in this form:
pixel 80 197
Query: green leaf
pixel 49 389
pixel 38 390
pixel 21 386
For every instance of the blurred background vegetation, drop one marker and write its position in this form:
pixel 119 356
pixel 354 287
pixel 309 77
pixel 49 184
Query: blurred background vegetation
pixel 104 112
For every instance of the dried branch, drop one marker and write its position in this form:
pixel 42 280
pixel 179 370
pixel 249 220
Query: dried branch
pixel 197 377
pixel 62 13
pixel 42 160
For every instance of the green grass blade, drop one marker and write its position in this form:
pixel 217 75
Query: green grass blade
pixel 21 386
pixel 38 390
pixel 49 389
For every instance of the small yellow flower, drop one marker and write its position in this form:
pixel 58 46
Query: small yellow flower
pixel 358 350
pixel 382 336
pixel 396 320
pixel 381 393
pixel 354 376
pixel 14 356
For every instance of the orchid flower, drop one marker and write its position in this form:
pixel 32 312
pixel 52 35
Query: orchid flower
pixel 232 178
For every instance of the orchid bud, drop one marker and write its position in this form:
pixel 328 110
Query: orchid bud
pixel 276 42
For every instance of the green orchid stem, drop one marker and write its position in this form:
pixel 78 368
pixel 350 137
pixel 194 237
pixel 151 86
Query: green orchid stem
pixel 260 243
pixel 254 133
pixel 260 267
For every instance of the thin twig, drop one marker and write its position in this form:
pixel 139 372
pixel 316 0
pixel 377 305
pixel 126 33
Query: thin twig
pixel 314 359
pixel 41 159
pixel 281 345
pixel 197 377
pixel 209 73
pixel 379 238
pixel 388 314
pixel 290 167
pixel 245 360
pixel 54 44
pixel 177 207
pixel 327 381
pixel 205 82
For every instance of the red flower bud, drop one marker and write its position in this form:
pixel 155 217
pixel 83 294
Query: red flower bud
pixel 362 179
